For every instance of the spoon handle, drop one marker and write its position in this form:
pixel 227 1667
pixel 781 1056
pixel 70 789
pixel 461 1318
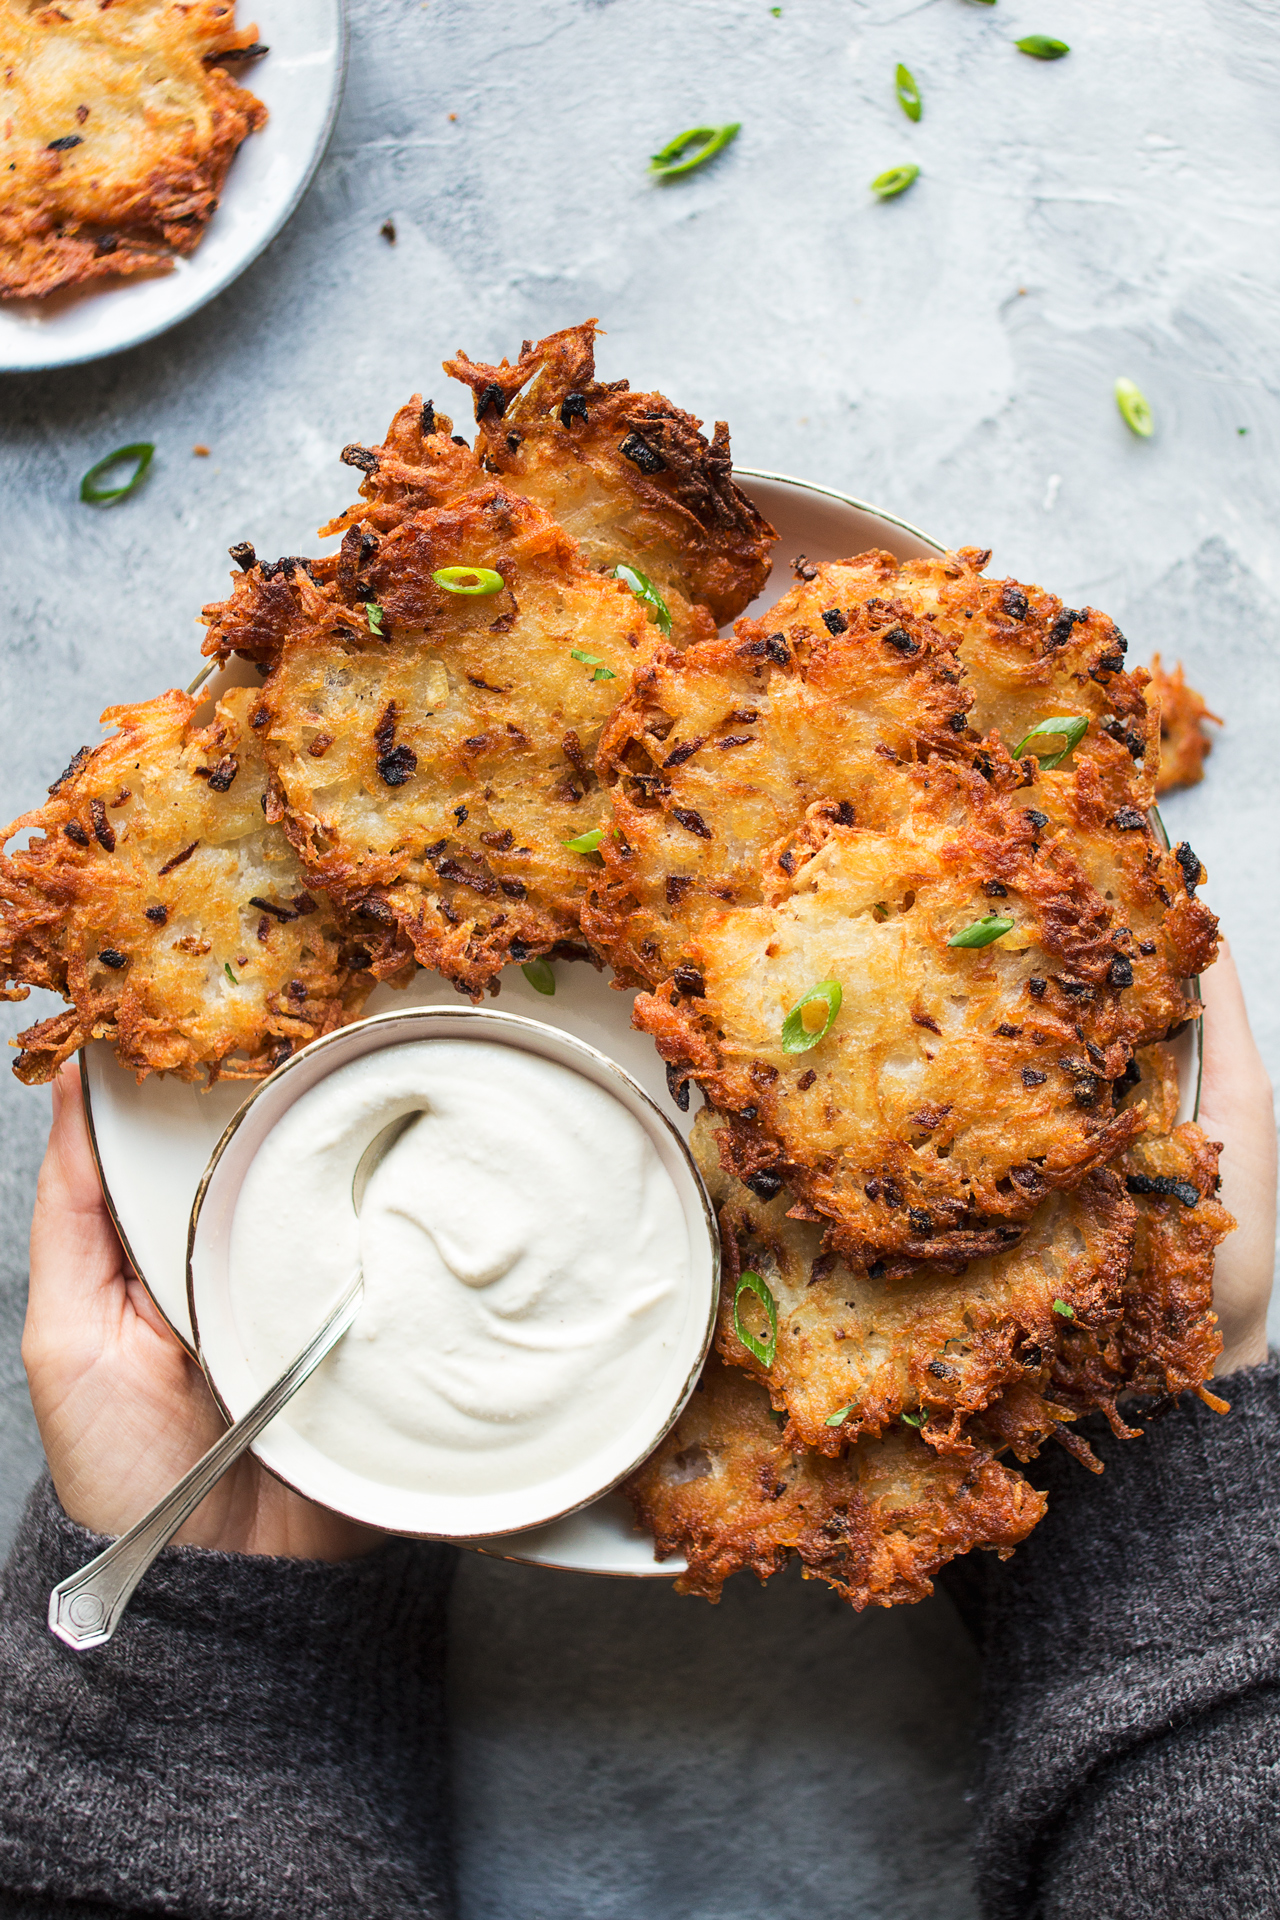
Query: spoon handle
pixel 86 1608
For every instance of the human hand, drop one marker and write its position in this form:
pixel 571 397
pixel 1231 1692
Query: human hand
pixel 123 1411
pixel 1236 1108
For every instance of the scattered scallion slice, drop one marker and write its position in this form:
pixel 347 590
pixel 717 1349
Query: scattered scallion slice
pixel 764 1350
pixel 691 149
pixel 896 180
pixel 373 614
pixel 1041 47
pixel 838 1418
pixel 585 842
pixel 1067 1312
pixel 469 580
pixel 226 968
pixel 541 976
pixel 914 1419
pixel 645 591
pixel 1068 727
pixel 1135 409
pixel 142 451
pixel 908 93
pixel 980 933
pixel 811 1018
pixel 589 660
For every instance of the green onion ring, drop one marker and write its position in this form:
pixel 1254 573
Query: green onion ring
pixel 541 976
pixel 896 180
pixel 1135 408
pixel 645 591
pixel 980 933
pixel 908 92
pixel 763 1351
pixel 706 141
pixel 142 451
pixel 796 1036
pixel 585 842
pixel 1067 1312
pixel 1041 47
pixel 1065 726
pixel 469 580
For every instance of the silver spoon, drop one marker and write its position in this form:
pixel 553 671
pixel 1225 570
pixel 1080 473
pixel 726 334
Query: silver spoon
pixel 86 1608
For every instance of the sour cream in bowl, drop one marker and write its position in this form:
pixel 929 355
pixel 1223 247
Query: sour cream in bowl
pixel 540 1266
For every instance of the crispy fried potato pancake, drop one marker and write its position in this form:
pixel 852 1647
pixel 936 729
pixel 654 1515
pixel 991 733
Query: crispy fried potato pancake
pixel 1166 1339
pixel 957 1086
pixel 627 475
pixel 158 901
pixel 430 772
pixel 120 123
pixel 1184 743
pixel 719 752
pixel 726 1490
pixel 854 1351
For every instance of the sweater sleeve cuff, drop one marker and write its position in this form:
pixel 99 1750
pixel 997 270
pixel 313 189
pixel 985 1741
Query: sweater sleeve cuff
pixel 1147 1595
pixel 261 1735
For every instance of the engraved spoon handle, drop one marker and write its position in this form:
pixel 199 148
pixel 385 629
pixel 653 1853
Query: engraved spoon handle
pixel 86 1608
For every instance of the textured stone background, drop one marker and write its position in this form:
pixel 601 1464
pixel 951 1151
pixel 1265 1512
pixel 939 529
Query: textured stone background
pixel 949 355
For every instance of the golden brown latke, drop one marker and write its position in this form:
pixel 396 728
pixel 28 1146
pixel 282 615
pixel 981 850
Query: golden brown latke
pixel 429 773
pixel 1166 1338
pixel 156 899
pixel 957 1086
pixel 720 751
pixel 855 1351
pixel 1184 742
pixel 627 475
pixel 725 1490
pixel 120 123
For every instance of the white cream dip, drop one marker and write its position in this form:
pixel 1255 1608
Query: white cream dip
pixel 525 1257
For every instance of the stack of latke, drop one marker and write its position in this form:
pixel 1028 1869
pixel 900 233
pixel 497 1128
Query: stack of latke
pixel 880 862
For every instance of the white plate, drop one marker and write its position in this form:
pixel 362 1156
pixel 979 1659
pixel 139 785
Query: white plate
pixel 300 83
pixel 153 1141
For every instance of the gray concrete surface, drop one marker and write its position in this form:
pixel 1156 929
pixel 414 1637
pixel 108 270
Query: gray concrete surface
pixel 949 355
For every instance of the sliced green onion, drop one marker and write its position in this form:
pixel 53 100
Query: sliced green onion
pixel 776 12
pixel 142 451
pixel 1067 1312
pixel 644 590
pixel 889 185
pixel 1041 47
pixel 801 1029
pixel 699 143
pixel 541 976
pixel 1135 409
pixel 1070 727
pixel 373 613
pixel 838 1418
pixel 908 92
pixel 914 1419
pixel 589 660
pixel 226 968
pixel 585 842
pixel 764 1351
pixel 470 580
pixel 980 933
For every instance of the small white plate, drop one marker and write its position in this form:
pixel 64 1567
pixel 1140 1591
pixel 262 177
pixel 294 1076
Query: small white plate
pixel 300 83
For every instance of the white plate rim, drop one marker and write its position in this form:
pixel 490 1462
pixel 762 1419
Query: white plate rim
pixel 204 292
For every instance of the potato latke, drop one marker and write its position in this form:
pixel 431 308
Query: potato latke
pixel 119 124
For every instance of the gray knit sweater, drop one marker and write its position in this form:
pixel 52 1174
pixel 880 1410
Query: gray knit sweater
pixel 265 1738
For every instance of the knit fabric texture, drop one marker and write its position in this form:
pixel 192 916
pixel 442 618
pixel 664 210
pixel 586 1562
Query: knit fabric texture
pixel 1130 1723
pixel 263 1738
